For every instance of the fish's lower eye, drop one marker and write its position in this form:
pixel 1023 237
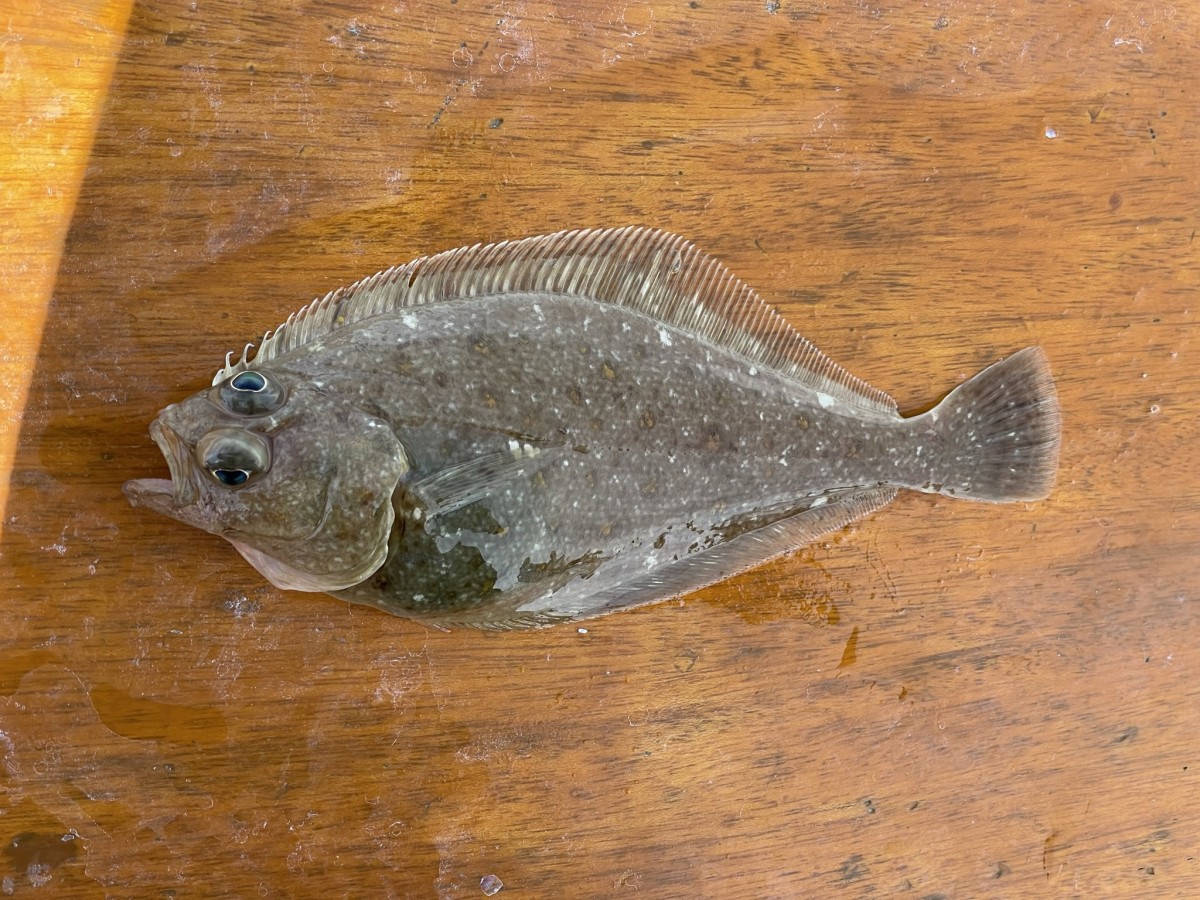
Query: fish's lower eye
pixel 233 456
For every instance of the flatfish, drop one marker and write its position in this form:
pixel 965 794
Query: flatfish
pixel 549 429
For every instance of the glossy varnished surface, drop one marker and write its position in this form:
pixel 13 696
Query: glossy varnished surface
pixel 953 699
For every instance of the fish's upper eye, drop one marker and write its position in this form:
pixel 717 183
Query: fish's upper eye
pixel 233 456
pixel 248 381
pixel 250 393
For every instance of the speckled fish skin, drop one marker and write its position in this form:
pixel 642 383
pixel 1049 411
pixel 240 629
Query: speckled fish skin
pixel 551 429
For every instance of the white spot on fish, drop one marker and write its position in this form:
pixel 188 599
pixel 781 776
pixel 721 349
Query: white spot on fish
pixel 522 451
pixel 665 337
pixel 825 400
pixel 409 319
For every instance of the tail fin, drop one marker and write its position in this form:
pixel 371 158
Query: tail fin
pixel 1001 432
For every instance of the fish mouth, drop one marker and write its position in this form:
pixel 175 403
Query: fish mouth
pixel 161 494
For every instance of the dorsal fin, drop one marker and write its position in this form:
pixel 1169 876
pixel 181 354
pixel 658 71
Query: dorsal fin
pixel 652 272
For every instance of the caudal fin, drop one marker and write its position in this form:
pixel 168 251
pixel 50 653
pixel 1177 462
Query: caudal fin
pixel 1001 432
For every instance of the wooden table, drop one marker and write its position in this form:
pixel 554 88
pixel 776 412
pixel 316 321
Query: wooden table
pixel 949 700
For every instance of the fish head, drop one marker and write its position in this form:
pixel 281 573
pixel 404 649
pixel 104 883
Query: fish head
pixel 298 480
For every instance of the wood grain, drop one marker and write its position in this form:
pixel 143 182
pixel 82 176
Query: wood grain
pixel 948 700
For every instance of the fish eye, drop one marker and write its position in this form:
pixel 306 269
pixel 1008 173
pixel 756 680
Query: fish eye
pixel 250 393
pixel 254 382
pixel 233 456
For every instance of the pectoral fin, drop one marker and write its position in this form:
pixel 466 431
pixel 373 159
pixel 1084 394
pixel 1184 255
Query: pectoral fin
pixel 461 484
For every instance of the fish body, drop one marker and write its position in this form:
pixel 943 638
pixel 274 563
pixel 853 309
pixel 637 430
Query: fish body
pixel 550 429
